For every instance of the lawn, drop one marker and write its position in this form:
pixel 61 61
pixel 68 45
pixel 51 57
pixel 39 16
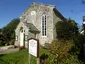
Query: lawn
pixel 21 57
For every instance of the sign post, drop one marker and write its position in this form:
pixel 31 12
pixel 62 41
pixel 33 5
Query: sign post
pixel 33 48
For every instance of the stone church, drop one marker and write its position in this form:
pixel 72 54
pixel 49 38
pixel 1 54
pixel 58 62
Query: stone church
pixel 38 21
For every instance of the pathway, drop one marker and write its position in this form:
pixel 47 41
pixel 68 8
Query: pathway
pixel 8 49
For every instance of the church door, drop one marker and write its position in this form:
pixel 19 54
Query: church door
pixel 21 38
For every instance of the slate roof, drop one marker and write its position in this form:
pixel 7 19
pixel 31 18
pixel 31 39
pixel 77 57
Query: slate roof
pixel 32 28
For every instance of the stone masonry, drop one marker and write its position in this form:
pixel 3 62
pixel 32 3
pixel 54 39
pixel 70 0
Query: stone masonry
pixel 34 14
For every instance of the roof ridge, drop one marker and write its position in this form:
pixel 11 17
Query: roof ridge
pixel 43 4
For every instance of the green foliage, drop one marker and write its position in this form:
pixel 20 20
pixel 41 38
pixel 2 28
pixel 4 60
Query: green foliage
pixel 0 30
pixel 64 52
pixel 46 57
pixel 60 48
pixel 9 31
pixel 2 40
pixel 72 59
pixel 66 29
pixel 81 42
pixel 82 28
pixel 20 57
pixel 12 42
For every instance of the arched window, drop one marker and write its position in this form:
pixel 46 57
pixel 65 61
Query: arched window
pixel 44 25
pixel 21 29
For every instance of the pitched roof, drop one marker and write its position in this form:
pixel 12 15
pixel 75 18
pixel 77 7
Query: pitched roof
pixel 32 28
pixel 59 14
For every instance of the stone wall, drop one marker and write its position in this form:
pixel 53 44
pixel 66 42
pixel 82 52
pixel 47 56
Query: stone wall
pixel 34 15
pixel 55 20
pixel 17 32
pixel 36 20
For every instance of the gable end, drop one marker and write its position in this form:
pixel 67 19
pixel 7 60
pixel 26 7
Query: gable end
pixel 57 13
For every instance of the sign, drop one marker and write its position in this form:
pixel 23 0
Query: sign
pixel 26 37
pixel 34 47
pixel 16 37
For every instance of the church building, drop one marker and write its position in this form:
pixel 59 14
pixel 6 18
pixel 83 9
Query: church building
pixel 38 21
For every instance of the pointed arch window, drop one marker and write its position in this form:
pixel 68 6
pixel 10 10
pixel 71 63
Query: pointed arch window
pixel 44 25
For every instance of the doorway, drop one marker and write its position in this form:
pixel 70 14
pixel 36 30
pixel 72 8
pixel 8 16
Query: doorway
pixel 22 38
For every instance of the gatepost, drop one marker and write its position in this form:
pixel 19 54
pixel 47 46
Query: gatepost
pixel 33 48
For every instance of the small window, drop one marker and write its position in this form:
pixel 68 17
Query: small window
pixel 16 37
pixel 44 25
pixel 26 37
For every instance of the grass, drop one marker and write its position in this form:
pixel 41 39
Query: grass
pixel 20 57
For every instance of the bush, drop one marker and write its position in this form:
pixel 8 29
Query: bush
pixel 66 29
pixel 61 52
pixel 72 59
pixel 12 42
pixel 9 31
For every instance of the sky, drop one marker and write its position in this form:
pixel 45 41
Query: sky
pixel 10 9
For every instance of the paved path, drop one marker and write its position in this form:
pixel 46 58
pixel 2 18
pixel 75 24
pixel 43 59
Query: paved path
pixel 8 49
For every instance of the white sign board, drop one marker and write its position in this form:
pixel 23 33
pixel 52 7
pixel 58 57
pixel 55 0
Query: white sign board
pixel 33 47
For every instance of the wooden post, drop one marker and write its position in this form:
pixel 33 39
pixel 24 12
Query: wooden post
pixel 29 59
pixel 28 55
pixel 38 60
pixel 33 44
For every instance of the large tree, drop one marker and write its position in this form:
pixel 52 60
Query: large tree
pixel 9 30
pixel 0 30
pixel 66 29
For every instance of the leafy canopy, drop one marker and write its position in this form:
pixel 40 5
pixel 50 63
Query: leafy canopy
pixel 9 31
pixel 66 29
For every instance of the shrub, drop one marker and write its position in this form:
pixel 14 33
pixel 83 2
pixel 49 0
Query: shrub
pixel 61 49
pixel 66 29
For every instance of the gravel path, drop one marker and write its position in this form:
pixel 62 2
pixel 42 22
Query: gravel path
pixel 8 49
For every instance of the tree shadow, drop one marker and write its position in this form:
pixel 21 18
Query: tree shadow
pixel 81 54
pixel 43 57
pixel 1 55
pixel 1 60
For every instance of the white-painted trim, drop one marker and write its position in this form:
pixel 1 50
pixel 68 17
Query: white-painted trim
pixel 44 36
pixel 21 38
pixel 83 22
pixel 82 32
pixel 33 12
pixel 46 26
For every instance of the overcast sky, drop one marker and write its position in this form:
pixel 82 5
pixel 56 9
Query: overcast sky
pixel 10 9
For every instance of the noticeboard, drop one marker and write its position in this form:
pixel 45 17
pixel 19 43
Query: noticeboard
pixel 34 47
